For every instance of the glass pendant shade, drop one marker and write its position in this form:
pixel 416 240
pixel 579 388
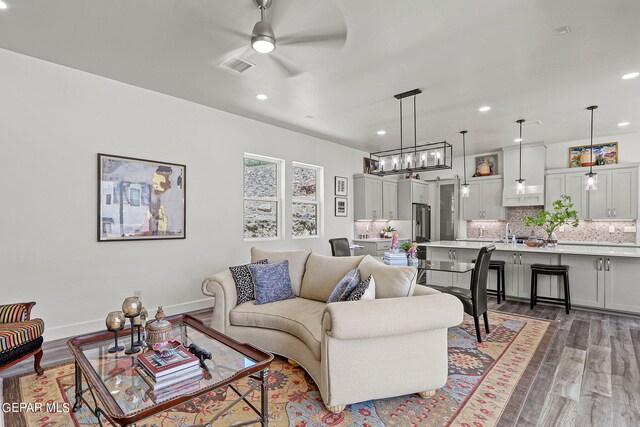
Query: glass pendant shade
pixel 591 182
pixel 520 185
pixel 464 189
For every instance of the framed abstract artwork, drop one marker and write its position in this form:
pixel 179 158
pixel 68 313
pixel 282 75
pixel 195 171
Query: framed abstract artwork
pixel 603 154
pixel 341 208
pixel 340 186
pixel 140 199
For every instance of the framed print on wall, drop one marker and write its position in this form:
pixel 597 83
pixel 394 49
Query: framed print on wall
pixel 486 165
pixel 340 186
pixel 140 199
pixel 603 154
pixel 370 165
pixel 341 206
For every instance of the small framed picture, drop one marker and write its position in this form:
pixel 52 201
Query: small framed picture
pixel 340 185
pixel 369 165
pixel 341 206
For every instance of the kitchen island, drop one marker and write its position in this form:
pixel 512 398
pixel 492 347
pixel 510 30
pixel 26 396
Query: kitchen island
pixel 601 277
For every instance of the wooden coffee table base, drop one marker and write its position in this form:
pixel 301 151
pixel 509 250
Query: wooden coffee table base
pixel 261 382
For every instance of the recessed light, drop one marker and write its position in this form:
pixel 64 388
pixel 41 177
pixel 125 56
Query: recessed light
pixel 630 76
pixel 623 124
pixel 484 108
pixel 563 31
pixel 517 140
pixel 4 5
pixel 382 132
pixel 262 97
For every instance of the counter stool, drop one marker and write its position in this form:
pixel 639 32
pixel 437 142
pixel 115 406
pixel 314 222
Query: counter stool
pixel 498 266
pixel 552 270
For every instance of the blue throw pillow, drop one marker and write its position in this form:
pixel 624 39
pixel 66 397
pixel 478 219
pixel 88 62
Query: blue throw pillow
pixel 345 286
pixel 365 290
pixel 273 282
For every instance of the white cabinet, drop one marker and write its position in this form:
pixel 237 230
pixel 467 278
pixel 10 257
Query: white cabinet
pixel 389 200
pixel 570 184
pixel 615 198
pixel 621 284
pixel 518 274
pixel 586 280
pixel 374 198
pixel 533 171
pixel 410 191
pixel 484 201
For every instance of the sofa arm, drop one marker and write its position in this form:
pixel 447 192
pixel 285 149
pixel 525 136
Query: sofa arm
pixel 223 288
pixel 16 313
pixel 391 316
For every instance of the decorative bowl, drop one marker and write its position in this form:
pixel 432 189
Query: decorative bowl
pixel 533 243
pixel 166 349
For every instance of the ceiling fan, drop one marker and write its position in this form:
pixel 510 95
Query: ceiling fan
pixel 263 38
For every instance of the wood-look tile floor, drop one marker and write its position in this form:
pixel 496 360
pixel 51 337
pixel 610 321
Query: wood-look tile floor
pixel 589 377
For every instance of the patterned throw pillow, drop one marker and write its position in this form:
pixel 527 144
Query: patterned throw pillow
pixel 244 281
pixel 365 290
pixel 273 282
pixel 345 286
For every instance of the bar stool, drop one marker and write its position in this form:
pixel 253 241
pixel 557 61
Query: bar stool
pixel 552 270
pixel 498 266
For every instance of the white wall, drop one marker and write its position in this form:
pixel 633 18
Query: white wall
pixel 53 122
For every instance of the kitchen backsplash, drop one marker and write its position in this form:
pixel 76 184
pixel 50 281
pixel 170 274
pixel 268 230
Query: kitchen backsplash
pixel 591 231
pixel 372 228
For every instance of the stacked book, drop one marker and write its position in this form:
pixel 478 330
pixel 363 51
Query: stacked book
pixel 395 258
pixel 160 372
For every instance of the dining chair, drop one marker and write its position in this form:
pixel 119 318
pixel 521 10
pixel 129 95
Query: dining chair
pixel 474 299
pixel 340 247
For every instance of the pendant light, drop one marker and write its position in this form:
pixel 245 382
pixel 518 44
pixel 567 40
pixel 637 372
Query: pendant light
pixel 464 188
pixel 520 183
pixel 592 177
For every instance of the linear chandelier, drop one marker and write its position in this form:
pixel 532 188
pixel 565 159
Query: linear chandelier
pixel 416 158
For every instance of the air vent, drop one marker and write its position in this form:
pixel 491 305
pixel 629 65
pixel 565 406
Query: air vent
pixel 532 123
pixel 235 65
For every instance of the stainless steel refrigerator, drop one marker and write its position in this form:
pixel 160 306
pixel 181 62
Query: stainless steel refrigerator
pixel 421 224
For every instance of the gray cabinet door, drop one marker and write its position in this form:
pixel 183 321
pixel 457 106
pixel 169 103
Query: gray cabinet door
pixel 621 284
pixel 586 280
pixel 373 198
pixel 472 205
pixel 600 199
pixel 511 272
pixel 554 188
pixel 624 193
pixel 574 188
pixel 389 200
pixel 492 200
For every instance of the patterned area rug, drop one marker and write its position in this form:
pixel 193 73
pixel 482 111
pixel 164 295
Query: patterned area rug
pixel 487 385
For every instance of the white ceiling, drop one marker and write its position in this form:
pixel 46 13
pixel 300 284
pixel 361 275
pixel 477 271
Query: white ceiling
pixel 461 53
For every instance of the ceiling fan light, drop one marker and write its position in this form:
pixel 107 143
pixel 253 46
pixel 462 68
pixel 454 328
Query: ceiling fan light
pixel 263 39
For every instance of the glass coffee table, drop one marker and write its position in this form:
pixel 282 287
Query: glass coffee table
pixel 123 397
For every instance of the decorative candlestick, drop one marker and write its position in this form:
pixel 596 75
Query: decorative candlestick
pixel 137 321
pixel 115 322
pixel 132 308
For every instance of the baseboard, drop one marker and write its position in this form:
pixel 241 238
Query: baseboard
pixel 73 329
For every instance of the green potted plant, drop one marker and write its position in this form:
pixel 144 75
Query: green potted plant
pixel 563 214
pixel 405 246
pixel 388 231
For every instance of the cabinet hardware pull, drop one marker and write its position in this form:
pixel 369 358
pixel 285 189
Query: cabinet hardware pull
pixel 455 255
pixel 609 213
pixel 614 212
pixel 520 257
pixel 599 264
pixel 514 258
pixel 449 253
pixel 608 268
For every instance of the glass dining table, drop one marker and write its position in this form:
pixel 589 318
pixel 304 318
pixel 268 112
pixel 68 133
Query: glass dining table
pixel 447 266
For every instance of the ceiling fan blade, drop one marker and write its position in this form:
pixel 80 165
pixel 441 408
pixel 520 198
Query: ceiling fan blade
pixel 278 12
pixel 332 40
pixel 287 69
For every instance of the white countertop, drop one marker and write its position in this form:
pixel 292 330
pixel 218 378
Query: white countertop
pixel 378 239
pixel 562 242
pixel 612 251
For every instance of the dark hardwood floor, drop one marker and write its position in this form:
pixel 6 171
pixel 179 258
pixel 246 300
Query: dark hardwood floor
pixel 589 377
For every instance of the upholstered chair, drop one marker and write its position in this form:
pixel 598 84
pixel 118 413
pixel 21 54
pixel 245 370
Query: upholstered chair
pixel 20 336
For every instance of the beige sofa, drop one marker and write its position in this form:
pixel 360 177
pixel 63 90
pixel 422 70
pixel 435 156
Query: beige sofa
pixel 355 351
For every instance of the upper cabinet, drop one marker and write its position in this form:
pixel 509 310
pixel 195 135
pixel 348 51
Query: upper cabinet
pixel 410 191
pixel 374 198
pixel 615 198
pixel 484 201
pixel 533 171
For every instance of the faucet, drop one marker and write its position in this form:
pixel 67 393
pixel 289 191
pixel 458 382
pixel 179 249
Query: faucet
pixel 507 230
